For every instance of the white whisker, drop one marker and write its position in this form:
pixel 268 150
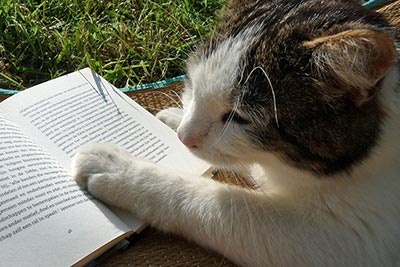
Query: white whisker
pixel 173 99
pixel 177 96
pixel 272 90
pixel 229 119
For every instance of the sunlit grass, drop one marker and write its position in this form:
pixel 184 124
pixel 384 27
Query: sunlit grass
pixel 126 41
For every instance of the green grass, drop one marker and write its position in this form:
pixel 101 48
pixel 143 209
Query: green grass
pixel 127 41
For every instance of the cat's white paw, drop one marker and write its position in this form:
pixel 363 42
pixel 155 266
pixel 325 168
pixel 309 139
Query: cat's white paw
pixel 112 175
pixel 101 168
pixel 98 159
pixel 171 117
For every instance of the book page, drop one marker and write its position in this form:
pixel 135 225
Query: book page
pixel 42 208
pixel 80 108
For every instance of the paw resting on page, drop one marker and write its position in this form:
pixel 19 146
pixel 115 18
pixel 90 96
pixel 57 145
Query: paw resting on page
pixel 171 117
pixel 103 169
pixel 99 159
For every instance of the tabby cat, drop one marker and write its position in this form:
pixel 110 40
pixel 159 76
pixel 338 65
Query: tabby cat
pixel 302 96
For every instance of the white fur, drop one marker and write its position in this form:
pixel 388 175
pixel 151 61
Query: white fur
pixel 171 117
pixel 293 219
pixel 213 78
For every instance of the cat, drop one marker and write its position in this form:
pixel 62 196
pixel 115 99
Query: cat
pixel 303 94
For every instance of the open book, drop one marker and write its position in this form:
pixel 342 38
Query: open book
pixel 45 218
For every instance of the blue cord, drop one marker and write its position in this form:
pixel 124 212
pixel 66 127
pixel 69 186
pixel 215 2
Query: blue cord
pixel 153 85
pixel 372 3
pixel 369 4
pixel 8 91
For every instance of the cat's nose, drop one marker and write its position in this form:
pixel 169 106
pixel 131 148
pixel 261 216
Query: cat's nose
pixel 191 141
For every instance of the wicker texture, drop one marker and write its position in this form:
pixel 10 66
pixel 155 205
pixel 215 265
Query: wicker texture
pixel 392 14
pixel 154 248
pixel 155 100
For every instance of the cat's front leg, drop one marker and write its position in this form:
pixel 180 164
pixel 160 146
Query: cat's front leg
pixel 111 174
pixel 213 214
pixel 171 117
pixel 248 227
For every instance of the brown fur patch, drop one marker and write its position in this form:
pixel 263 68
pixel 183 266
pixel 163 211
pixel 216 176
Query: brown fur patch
pixel 359 58
pixel 323 128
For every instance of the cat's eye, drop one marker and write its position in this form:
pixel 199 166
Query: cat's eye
pixel 235 117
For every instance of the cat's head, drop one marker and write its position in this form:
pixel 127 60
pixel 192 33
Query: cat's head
pixel 298 80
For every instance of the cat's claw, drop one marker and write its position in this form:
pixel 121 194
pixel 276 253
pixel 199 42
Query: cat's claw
pixel 171 117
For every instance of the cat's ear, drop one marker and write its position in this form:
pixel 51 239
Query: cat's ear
pixel 358 59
